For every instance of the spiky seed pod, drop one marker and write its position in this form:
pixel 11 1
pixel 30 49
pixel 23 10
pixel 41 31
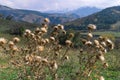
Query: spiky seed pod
pixel 68 42
pixel 3 41
pixel 96 42
pixel 103 44
pixel 37 30
pixel 64 32
pixel 81 50
pixel 101 57
pixel 90 35
pixel 45 26
pixel 40 48
pixel 55 28
pixel 14 48
pixel 46 20
pixel 101 47
pixel 47 40
pixel 54 65
pixel 44 30
pixel 66 57
pixel 11 44
pixel 61 27
pixel 89 43
pixel 16 39
pixel 91 27
pixel 104 51
pixel 105 65
pixel 54 33
pixel 27 31
pixel 71 35
pixel 38 58
pixel 101 78
pixel 59 47
pixel 101 38
pixel 43 42
pixel 44 60
pixel 56 53
pixel 110 44
pixel 84 41
pixel 52 39
pixel 32 35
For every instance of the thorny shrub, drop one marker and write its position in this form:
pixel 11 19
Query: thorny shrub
pixel 42 55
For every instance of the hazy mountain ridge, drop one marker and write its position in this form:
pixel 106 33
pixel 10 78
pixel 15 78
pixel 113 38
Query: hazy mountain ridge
pixel 36 16
pixel 81 12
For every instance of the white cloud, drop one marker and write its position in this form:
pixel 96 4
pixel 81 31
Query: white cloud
pixel 43 5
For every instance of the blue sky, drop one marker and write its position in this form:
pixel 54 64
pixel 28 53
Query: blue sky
pixel 46 5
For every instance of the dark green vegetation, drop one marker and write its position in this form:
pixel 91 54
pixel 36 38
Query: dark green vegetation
pixel 13 27
pixel 107 19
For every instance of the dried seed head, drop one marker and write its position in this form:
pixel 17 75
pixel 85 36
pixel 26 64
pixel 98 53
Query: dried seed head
pixel 101 57
pixel 40 48
pixel 105 65
pixel 101 78
pixel 3 41
pixel 45 26
pixel 103 44
pixel 43 42
pixel 68 42
pixel 91 27
pixel 60 26
pixel 14 48
pixel 96 42
pixel 47 40
pixel 71 35
pixel 16 39
pixel 66 57
pixel 37 30
pixel 101 38
pixel 90 35
pixel 44 60
pixel 64 32
pixel 27 31
pixel 54 65
pixel 44 30
pixel 89 43
pixel 38 58
pixel 46 20
pixel 84 41
pixel 56 28
pixel 32 35
pixel 56 53
pixel 110 44
pixel 11 44
pixel 52 39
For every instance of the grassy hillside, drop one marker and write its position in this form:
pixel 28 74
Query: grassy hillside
pixel 13 27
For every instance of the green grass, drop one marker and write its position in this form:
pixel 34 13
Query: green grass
pixel 116 34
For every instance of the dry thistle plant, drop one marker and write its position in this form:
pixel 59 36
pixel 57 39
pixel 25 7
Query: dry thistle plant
pixel 41 56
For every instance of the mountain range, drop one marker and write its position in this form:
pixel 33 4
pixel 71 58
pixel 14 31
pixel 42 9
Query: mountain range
pixel 37 17
pixel 107 19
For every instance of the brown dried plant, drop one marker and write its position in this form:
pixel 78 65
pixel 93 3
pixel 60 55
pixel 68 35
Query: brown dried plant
pixel 41 55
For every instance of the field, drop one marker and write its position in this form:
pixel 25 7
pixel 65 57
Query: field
pixel 40 56
pixel 9 72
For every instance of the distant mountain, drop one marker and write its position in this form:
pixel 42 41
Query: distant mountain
pixel 85 11
pixel 35 16
pixel 106 19
pixel 81 12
